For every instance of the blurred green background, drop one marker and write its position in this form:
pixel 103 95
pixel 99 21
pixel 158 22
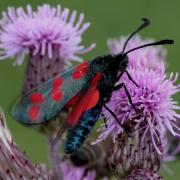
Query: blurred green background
pixel 109 18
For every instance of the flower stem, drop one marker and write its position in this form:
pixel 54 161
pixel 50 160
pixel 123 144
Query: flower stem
pixel 54 151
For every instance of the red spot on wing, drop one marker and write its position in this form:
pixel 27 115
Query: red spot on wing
pixel 80 71
pixel 56 95
pixel 36 97
pixel 88 101
pixel 33 112
pixel 57 83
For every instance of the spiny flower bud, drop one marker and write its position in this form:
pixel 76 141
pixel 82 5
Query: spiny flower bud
pixel 13 162
pixel 129 153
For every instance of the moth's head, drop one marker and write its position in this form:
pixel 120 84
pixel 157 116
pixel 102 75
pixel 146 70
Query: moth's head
pixel 121 61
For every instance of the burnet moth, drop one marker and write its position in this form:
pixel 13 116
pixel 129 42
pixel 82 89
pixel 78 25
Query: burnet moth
pixel 85 89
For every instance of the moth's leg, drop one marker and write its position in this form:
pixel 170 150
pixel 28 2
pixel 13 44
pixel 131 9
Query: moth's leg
pixel 120 75
pixel 131 79
pixel 59 134
pixel 129 76
pixel 119 86
pixel 112 113
pixel 54 146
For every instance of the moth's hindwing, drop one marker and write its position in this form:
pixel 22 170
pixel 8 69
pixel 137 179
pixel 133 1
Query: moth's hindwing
pixel 77 134
pixel 44 102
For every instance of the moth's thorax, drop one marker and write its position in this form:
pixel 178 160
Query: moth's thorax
pixel 110 66
pixel 102 63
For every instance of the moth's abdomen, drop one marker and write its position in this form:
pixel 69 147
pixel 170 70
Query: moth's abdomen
pixel 77 135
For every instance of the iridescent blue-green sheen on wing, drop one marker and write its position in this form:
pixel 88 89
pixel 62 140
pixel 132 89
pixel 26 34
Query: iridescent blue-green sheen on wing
pixel 49 108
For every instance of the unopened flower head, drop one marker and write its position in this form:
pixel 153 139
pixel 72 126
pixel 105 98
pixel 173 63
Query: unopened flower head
pixel 46 31
pixel 152 99
pixel 129 153
pixel 148 57
pixel 13 162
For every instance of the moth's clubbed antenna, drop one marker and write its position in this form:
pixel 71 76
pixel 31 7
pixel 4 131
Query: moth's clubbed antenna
pixel 162 42
pixel 151 57
pixel 142 26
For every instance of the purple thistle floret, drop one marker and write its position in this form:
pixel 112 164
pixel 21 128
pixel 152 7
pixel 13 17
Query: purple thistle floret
pixel 156 110
pixel 153 98
pixel 42 32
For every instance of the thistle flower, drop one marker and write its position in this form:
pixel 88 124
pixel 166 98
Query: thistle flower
pixel 129 153
pixel 139 135
pixel 13 162
pixel 141 174
pixel 149 57
pixel 153 99
pixel 40 32
pixel 50 36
